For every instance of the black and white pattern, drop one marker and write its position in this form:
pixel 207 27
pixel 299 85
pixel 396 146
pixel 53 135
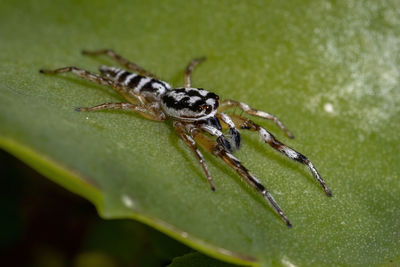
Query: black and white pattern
pixel 135 82
pixel 197 116
pixel 190 104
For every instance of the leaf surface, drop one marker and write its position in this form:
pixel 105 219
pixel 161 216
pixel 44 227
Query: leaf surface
pixel 329 70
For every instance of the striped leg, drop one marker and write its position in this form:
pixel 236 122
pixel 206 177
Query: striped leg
pixel 121 60
pixel 225 104
pixel 126 106
pixel 235 164
pixel 188 71
pixel 244 123
pixel 180 130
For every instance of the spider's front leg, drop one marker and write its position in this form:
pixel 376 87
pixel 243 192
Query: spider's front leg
pixel 245 123
pixel 218 150
pixel 225 104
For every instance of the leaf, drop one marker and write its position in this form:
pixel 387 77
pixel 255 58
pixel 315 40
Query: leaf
pixel 196 259
pixel 329 70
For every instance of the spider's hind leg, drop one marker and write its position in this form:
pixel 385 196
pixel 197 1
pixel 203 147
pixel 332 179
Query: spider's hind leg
pixel 121 60
pixel 245 123
pixel 189 69
pixel 81 73
pixel 142 110
pixel 103 80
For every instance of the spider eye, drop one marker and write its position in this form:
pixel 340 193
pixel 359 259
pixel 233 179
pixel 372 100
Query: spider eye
pixel 206 108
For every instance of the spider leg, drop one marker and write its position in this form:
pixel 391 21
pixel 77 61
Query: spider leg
pixel 233 132
pixel 188 71
pixel 97 79
pixel 221 139
pixel 234 163
pixel 244 123
pixel 225 104
pixel 180 130
pixel 81 73
pixel 142 110
pixel 121 60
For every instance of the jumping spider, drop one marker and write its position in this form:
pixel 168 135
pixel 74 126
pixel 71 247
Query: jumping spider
pixel 194 111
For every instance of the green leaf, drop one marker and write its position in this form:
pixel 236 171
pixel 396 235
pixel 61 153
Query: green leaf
pixel 329 70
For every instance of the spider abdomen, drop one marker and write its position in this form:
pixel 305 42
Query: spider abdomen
pixel 141 85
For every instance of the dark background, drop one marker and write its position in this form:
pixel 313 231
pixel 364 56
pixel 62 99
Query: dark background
pixel 45 225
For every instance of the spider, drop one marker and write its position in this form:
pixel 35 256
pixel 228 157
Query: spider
pixel 196 114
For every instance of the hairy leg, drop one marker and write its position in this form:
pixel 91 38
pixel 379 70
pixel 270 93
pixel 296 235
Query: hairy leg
pixel 235 164
pixel 189 69
pixel 225 104
pixel 121 60
pixel 181 132
pixel 87 75
pixel 245 123
pixel 126 106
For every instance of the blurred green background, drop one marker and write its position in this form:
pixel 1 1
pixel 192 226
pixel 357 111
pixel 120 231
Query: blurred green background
pixel 328 69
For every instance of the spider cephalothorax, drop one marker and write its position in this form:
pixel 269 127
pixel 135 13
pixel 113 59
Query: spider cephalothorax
pixel 189 104
pixel 196 113
pixel 199 107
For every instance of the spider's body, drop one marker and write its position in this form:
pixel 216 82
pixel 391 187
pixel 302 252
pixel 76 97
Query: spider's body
pixel 136 84
pixel 194 112
pixel 192 106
